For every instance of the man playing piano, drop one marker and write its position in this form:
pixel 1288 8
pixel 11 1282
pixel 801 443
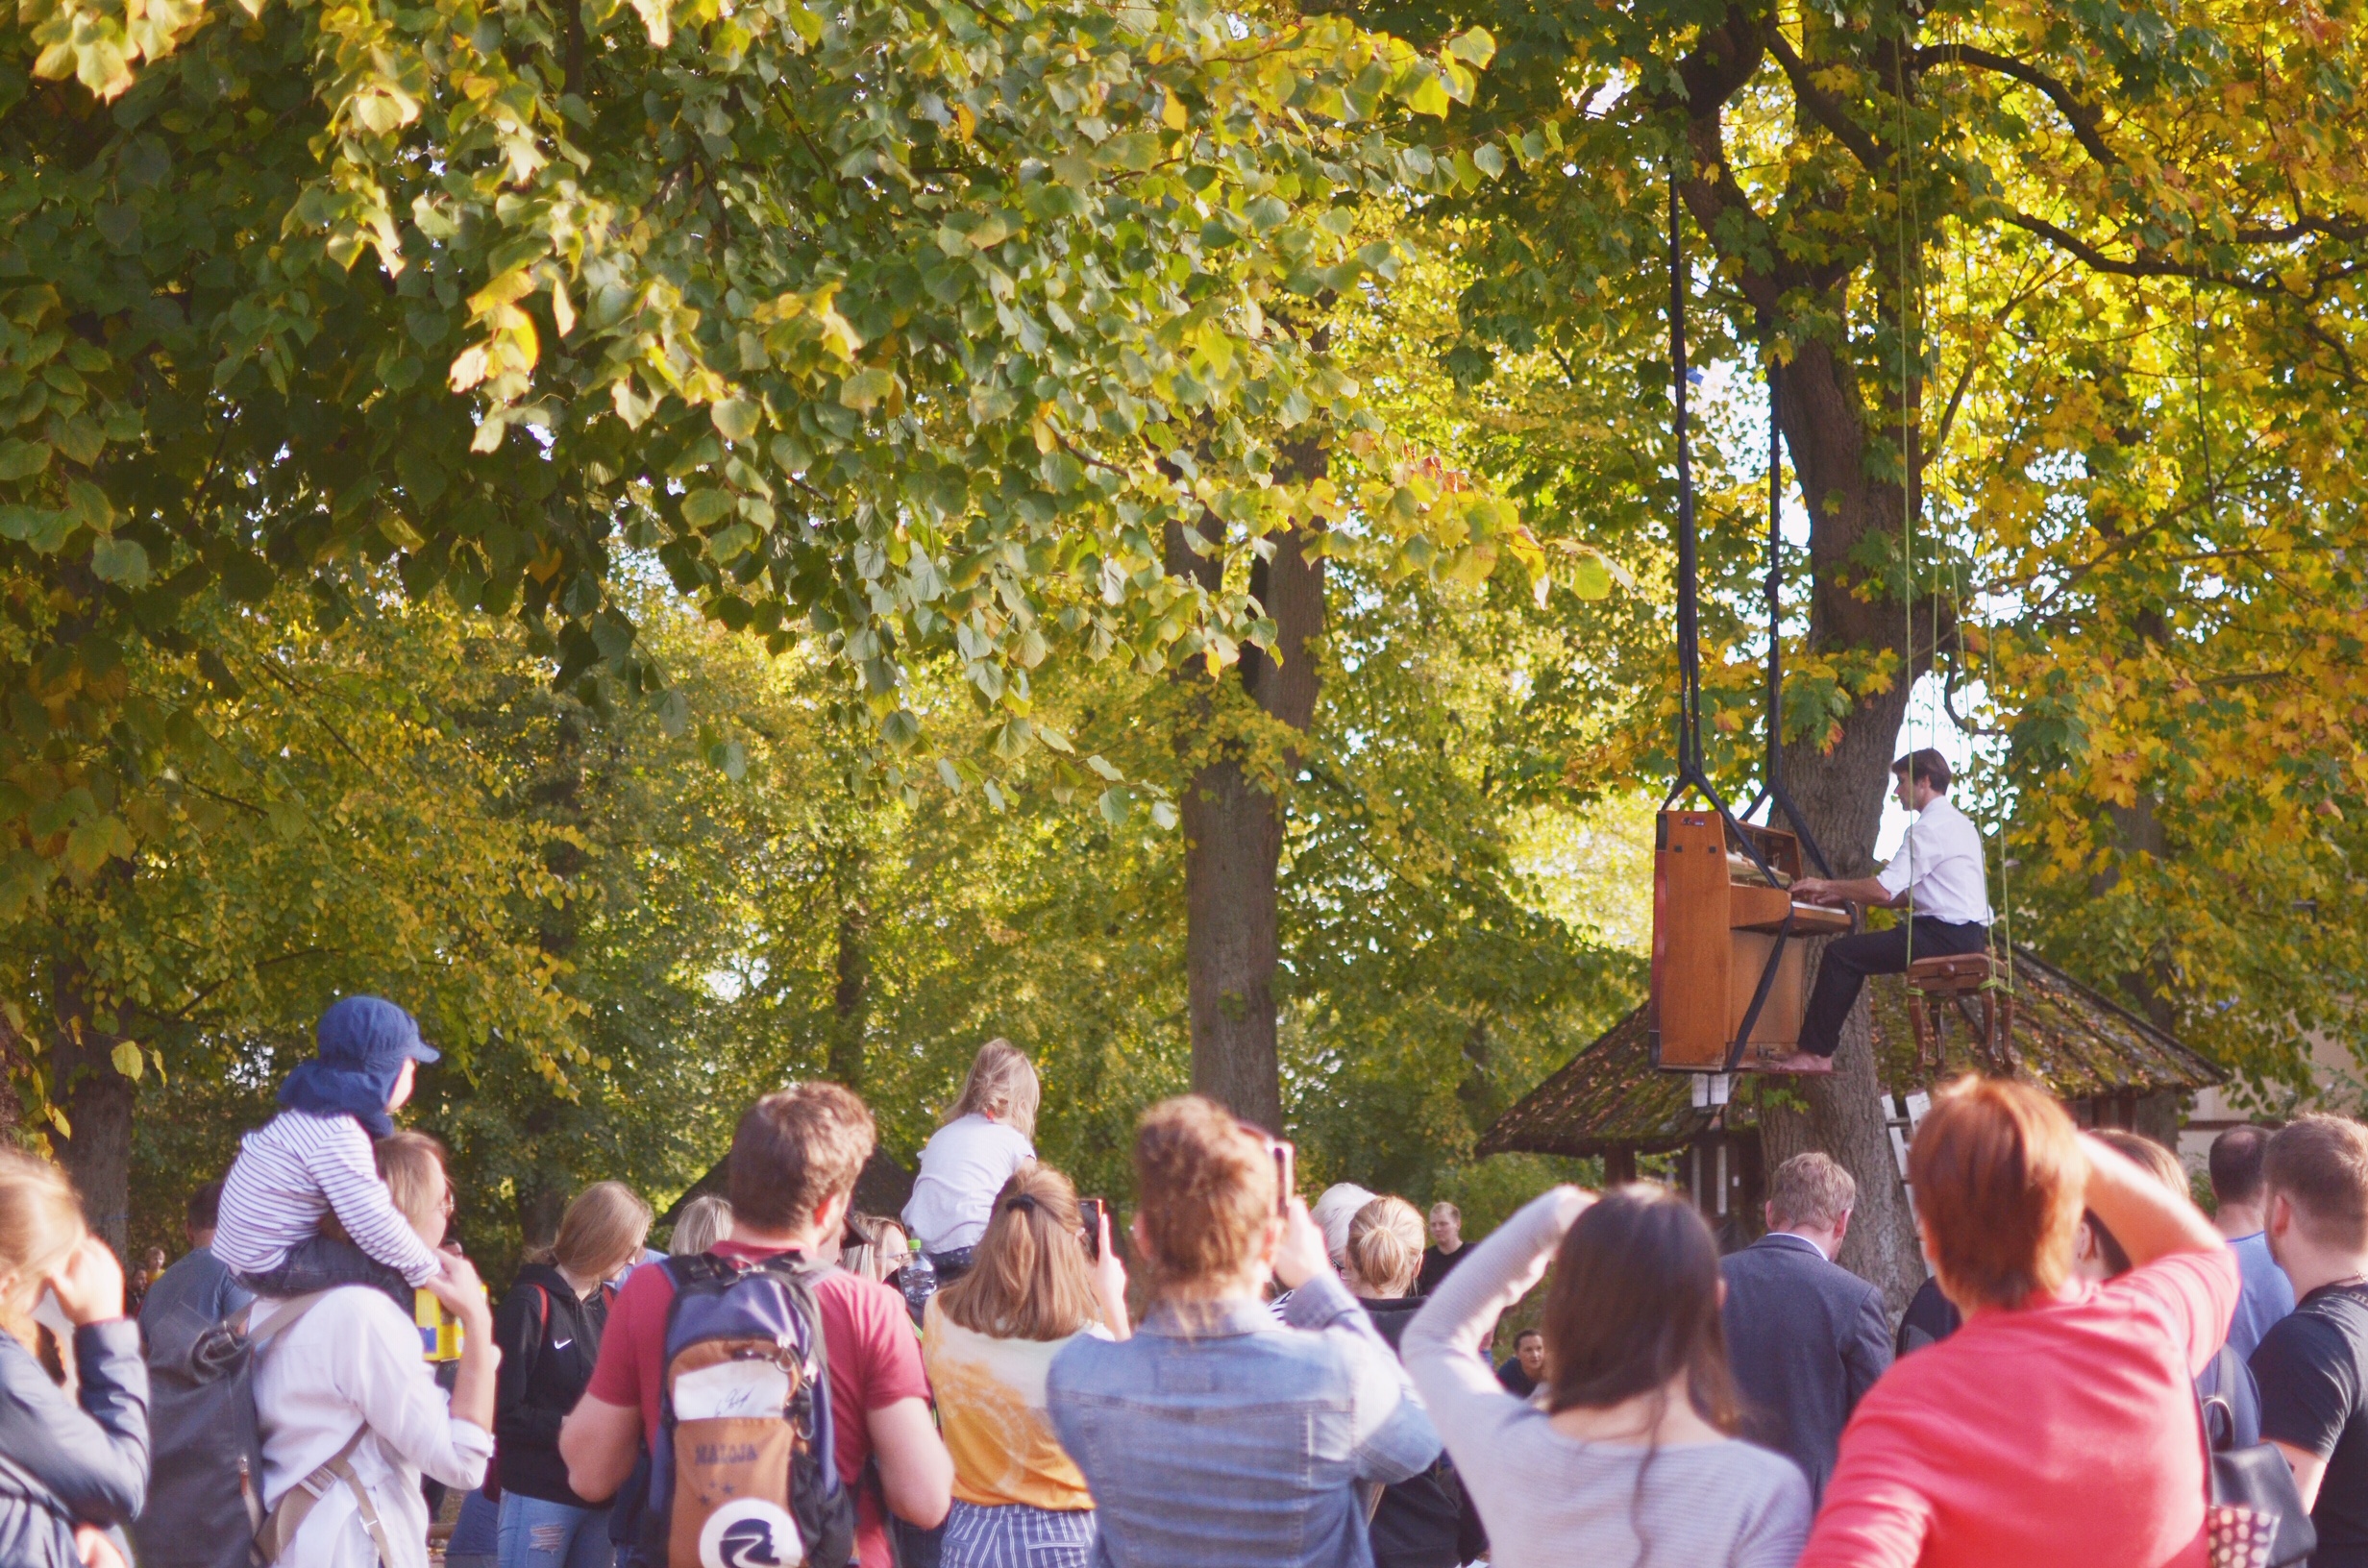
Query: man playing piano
pixel 1937 873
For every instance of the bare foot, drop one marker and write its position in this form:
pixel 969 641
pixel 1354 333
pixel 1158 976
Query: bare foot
pixel 1800 1062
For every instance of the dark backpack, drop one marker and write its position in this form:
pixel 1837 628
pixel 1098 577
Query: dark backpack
pixel 744 1472
pixel 206 1449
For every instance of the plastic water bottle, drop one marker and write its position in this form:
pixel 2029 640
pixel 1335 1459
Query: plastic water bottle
pixel 920 1280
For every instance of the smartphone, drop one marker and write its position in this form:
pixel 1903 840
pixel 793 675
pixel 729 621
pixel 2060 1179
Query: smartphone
pixel 1286 1170
pixel 1089 1212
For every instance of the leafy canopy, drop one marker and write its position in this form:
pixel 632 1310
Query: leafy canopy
pixel 904 321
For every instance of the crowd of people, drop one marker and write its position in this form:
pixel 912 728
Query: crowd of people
pixel 1295 1383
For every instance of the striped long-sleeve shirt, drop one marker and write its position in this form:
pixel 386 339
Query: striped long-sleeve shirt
pixel 297 1167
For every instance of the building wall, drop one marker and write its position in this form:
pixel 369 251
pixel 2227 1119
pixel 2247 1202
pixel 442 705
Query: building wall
pixel 2339 1089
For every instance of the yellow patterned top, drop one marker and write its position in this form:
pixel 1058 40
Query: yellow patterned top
pixel 991 1410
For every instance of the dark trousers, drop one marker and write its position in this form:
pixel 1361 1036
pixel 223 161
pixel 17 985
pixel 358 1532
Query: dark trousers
pixel 1849 959
pixel 324 1262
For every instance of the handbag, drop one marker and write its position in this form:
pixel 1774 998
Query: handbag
pixel 2252 1515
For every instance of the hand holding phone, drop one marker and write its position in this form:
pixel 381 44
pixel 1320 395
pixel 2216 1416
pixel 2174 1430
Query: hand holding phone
pixel 1300 1255
pixel 1091 1215
pixel 1286 1175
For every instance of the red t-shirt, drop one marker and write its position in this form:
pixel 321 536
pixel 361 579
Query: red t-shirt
pixel 874 1362
pixel 2065 1433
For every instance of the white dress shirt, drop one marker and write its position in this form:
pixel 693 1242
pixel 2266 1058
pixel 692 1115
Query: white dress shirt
pixel 355 1359
pixel 1939 867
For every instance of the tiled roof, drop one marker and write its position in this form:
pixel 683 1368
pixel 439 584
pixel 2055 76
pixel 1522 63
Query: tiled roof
pixel 2067 1039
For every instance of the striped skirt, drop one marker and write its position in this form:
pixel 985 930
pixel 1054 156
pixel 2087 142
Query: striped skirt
pixel 1015 1535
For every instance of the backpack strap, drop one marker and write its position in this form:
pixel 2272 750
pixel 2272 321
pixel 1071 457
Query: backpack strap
pixel 698 1268
pixel 291 1312
pixel 296 1505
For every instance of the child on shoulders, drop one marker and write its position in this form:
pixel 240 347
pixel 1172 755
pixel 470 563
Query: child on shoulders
pixel 965 1164
pixel 314 1159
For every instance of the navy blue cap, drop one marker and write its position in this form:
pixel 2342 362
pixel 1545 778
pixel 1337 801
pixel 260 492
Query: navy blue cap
pixel 364 1031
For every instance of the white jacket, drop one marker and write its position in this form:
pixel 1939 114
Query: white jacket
pixel 355 1359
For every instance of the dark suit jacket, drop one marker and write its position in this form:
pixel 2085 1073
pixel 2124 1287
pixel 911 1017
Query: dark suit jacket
pixel 1808 1338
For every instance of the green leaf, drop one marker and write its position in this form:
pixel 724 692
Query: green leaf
pixel 128 1059
pixel 1116 804
pixel 91 843
pixel 120 561
pixel 78 437
pixel 737 418
pixel 1103 768
pixel 22 459
pixel 1429 96
pixel 90 505
pixel 1476 46
pixel 866 389
pixel 1590 577
pixel 702 507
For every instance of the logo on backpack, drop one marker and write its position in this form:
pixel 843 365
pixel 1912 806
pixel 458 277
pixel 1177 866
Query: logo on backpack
pixel 750 1533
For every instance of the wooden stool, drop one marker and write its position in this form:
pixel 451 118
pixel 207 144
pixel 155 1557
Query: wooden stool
pixel 1961 977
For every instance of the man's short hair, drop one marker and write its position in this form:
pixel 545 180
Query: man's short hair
pixel 2319 1164
pixel 1443 1205
pixel 794 1148
pixel 1812 1190
pixel 1999 1179
pixel 1927 765
pixel 2237 1164
pixel 205 1207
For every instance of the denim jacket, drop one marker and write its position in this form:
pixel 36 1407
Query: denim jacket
pixel 1235 1440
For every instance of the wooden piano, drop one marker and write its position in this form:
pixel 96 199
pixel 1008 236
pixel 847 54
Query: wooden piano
pixel 1715 919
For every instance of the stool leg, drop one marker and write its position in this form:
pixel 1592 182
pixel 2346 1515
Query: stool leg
pixel 1926 1056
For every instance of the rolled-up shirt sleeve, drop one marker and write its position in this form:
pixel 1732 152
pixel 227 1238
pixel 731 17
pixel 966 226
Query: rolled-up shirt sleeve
pixel 1901 870
pixel 398 1398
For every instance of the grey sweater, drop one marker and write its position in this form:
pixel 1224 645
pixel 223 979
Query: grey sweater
pixel 1549 1500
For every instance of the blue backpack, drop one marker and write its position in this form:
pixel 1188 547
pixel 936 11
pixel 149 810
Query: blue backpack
pixel 744 1474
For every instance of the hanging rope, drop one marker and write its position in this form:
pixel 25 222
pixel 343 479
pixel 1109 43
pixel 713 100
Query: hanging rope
pixel 1990 691
pixel 1902 199
pixel 1689 759
pixel 1692 768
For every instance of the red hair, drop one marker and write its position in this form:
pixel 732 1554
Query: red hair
pixel 1999 1179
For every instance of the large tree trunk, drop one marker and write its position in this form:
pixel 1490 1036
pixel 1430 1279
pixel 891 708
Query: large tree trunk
pixel 1233 842
pixel 1840 789
pixel 97 1100
pixel 1841 793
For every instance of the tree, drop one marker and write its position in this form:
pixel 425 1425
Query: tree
pixel 906 324
pixel 330 829
pixel 1841 169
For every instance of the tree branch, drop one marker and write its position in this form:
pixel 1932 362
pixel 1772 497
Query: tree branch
pixel 2083 117
pixel 2141 265
pixel 1823 107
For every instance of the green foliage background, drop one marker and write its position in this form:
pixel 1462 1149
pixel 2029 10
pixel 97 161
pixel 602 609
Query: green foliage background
pixel 671 907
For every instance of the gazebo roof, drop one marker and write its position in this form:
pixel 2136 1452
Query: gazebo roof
pixel 2068 1040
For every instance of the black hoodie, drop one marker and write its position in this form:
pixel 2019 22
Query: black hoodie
pixel 549 1338
pixel 1419 1522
